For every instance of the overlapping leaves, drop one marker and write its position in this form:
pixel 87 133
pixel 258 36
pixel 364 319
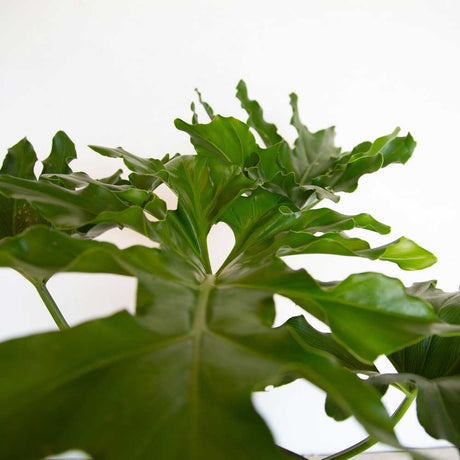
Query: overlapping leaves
pixel 200 343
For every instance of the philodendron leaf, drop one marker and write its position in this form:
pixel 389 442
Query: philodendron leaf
pixel 86 388
pixel 208 109
pixel 225 138
pixel 313 165
pixel 17 215
pixel 94 204
pixel 265 225
pixel 325 341
pixel 369 313
pixel 314 153
pixel 433 357
pixel 267 131
pixel 201 356
pixel 367 158
pixel 62 153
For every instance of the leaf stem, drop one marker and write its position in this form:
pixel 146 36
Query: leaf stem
pixel 49 302
pixel 368 442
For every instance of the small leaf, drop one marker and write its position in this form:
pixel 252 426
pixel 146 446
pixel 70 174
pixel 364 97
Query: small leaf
pixel 17 215
pixel 133 162
pixel 267 131
pixel 367 158
pixel 398 150
pixel 314 153
pixel 206 106
pixel 225 138
pixel 62 153
pixel 193 388
pixel 20 160
pixel 408 255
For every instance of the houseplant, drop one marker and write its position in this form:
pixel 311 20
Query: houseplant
pixel 174 381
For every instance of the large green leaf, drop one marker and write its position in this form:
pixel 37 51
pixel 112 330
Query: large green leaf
pixel 369 313
pixel 191 391
pixel 207 347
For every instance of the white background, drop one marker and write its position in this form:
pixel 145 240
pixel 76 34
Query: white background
pixel 114 73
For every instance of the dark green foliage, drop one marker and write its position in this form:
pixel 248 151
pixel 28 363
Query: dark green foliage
pixel 174 381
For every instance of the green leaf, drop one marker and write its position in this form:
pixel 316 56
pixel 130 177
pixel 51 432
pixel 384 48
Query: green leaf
pixel 225 138
pixel 338 412
pixel 325 342
pixel 206 106
pixel 399 150
pixel 62 153
pixel 314 153
pixel 408 255
pixel 94 204
pixel 20 160
pixel 265 225
pixel 133 162
pixel 370 314
pixel 273 177
pixel 367 158
pixel 267 131
pixel 81 179
pixel 435 356
pixel 17 215
pixel 193 387
pixel 40 252
pixel 205 188
pixel 438 403
pixel 404 252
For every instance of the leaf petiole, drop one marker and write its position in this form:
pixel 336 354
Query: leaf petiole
pixel 49 302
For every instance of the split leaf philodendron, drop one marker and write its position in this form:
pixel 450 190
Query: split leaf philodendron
pixel 174 381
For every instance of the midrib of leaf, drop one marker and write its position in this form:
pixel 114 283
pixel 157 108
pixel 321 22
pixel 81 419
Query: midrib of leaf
pixel 240 143
pixel 197 332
